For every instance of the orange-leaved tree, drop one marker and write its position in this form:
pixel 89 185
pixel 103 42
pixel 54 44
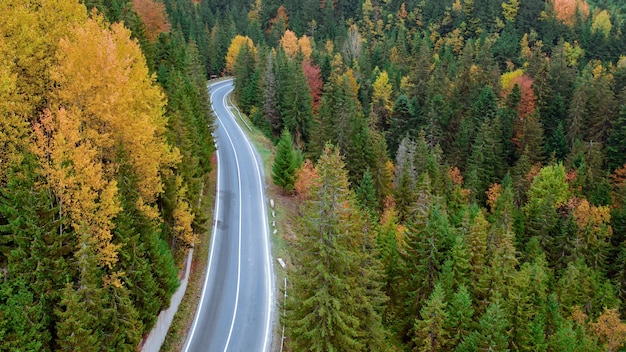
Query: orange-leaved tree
pixel 153 16
pixel 567 10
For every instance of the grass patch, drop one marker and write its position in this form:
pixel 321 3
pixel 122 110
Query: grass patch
pixel 177 333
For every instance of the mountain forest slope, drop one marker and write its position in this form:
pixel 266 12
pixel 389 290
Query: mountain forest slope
pixel 465 184
pixel 105 141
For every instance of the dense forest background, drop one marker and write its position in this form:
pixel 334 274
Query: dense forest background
pixel 105 142
pixel 465 184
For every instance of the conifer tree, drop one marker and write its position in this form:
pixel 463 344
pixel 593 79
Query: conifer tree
pixel 460 318
pixel 430 334
pixel 270 98
pixel 366 193
pixel 286 163
pixel 336 295
pixel 616 150
pixel 491 332
pixel 428 237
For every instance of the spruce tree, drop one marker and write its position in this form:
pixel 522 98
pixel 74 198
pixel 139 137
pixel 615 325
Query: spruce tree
pixel 286 163
pixel 366 193
pixel 491 332
pixel 336 297
pixel 430 334
pixel 460 317
pixel 428 237
pixel 615 147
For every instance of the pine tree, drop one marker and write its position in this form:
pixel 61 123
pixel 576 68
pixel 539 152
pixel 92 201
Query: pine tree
pixel 485 164
pixel 246 79
pixel 366 194
pixel 297 106
pixel 34 251
pixel 286 163
pixel 557 143
pixel 402 123
pixel 270 98
pixel 428 237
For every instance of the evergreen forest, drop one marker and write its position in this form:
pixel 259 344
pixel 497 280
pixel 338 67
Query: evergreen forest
pixel 457 167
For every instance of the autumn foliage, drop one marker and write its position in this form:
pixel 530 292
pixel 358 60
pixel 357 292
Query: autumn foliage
pixel 306 178
pixel 233 51
pixel 527 103
pixel 567 10
pixel 153 16
pixel 314 80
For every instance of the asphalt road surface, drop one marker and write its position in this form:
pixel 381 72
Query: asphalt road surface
pixel 235 310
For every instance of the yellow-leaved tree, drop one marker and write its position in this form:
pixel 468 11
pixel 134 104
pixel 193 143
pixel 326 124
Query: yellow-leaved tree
pixel 233 50
pixel 76 173
pixel 289 43
pixel 30 32
pixel 102 76
pixel 105 104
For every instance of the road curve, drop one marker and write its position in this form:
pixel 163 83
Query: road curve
pixel 235 309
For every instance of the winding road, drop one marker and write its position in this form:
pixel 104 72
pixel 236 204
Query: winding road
pixel 235 310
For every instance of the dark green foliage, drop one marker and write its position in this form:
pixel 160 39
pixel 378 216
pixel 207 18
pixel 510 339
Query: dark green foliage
pixel 366 193
pixel 557 143
pixel 286 163
pixel 336 295
pixel 428 238
pixel 485 163
pixel 491 332
pixel 246 80
pixel 295 102
pixel 429 332
pixel 35 251
pixel 403 122
pixel 616 146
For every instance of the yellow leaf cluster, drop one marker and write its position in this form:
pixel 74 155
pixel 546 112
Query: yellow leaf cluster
pixel 593 222
pixel 75 172
pixel 610 330
pixel 102 78
pixel 602 23
pixel 233 51
pixel 183 217
pixel 305 46
pixel 289 43
pixel 455 40
pixel 31 30
pixel 13 128
pixel 507 78
pixel 382 91
pixel 509 9
pixel 572 53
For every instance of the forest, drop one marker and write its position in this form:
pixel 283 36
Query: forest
pixel 457 167
pixel 105 143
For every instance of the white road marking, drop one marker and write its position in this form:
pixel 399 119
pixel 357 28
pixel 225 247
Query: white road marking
pixel 268 276
pixel 232 323
pixel 206 279
pixel 267 337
